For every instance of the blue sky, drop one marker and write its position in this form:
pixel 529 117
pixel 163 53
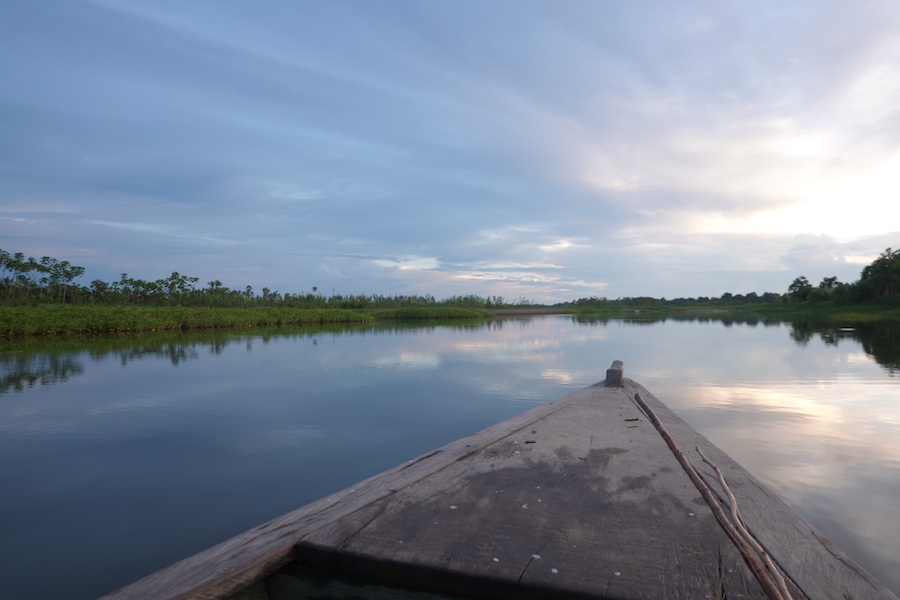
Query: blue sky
pixel 546 150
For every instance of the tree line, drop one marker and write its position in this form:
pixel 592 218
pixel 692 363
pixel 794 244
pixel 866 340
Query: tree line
pixel 47 279
pixel 27 281
pixel 646 302
pixel 878 282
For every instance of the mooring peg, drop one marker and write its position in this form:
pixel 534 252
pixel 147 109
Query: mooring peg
pixel 614 374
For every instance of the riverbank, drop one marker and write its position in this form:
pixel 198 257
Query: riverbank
pixel 57 319
pixel 65 319
pixel 819 311
pixel 823 311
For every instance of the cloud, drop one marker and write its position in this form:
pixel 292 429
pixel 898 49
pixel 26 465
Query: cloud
pixel 642 149
pixel 411 263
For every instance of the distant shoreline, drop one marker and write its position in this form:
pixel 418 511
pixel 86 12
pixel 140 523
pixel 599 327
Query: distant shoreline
pixel 62 319
pixel 536 310
pixel 66 319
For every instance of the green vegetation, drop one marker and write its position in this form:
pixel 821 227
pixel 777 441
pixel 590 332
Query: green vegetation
pixel 25 281
pixel 48 319
pixel 875 296
pixel 430 312
pixel 726 300
pixel 879 283
pixel 41 296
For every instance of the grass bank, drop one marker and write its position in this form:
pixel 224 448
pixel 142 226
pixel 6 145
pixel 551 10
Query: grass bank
pixel 427 312
pixel 821 311
pixel 62 319
pixel 55 319
pixel 828 312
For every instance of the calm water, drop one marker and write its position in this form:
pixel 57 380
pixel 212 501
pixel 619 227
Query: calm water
pixel 119 456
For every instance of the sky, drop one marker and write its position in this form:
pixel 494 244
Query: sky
pixel 533 150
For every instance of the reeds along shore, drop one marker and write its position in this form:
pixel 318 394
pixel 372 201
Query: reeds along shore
pixel 30 282
pixel 57 319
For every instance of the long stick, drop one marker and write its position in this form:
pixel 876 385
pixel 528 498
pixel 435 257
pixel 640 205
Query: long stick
pixel 759 571
pixel 738 523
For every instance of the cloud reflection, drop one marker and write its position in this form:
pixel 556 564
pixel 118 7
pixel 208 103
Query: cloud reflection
pixel 814 441
pixel 410 360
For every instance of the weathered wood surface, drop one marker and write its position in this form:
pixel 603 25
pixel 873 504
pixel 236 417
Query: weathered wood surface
pixel 579 497
pixel 614 374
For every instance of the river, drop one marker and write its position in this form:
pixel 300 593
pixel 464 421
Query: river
pixel 120 455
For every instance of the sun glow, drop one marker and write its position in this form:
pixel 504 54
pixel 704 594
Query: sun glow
pixel 843 204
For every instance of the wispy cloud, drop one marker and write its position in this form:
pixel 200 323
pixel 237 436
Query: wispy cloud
pixel 519 148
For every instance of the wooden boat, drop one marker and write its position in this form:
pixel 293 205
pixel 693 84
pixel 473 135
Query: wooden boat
pixel 603 493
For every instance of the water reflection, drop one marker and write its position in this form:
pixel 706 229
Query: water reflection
pixel 19 370
pixel 880 339
pixel 830 450
pixel 810 408
pixel 46 361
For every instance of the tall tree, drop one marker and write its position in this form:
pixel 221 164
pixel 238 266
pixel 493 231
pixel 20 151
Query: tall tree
pixel 882 277
pixel 800 289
